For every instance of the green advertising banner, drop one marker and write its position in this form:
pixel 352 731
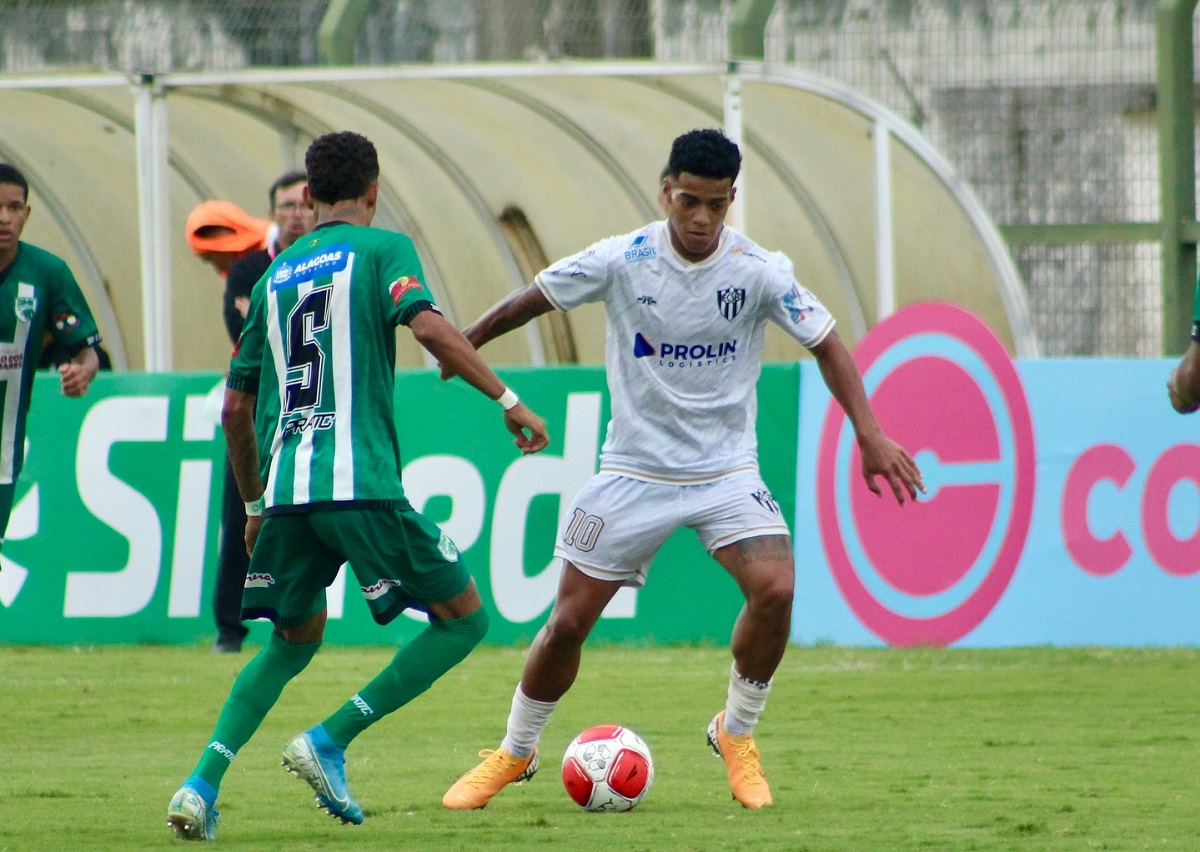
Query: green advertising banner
pixel 114 532
pixel 113 535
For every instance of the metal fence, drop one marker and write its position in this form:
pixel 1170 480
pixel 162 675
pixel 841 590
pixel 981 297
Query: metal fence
pixel 184 35
pixel 1046 108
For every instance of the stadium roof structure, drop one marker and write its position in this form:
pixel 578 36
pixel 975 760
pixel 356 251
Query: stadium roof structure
pixel 495 171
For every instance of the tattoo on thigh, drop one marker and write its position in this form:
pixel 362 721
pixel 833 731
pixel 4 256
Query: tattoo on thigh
pixel 764 547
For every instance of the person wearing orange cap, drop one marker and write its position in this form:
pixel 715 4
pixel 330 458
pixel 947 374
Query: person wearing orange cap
pixel 292 219
pixel 220 232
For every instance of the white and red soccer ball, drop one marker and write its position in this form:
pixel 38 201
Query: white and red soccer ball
pixel 607 768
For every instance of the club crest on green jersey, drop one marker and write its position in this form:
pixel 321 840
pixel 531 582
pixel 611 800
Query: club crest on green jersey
pixel 448 548
pixel 26 306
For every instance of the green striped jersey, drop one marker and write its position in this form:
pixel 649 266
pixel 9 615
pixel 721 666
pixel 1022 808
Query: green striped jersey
pixel 38 294
pixel 319 350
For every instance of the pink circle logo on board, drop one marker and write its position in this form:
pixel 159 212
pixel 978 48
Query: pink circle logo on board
pixel 945 389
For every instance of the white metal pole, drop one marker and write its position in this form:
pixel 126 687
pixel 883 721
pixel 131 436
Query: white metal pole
pixel 736 218
pixel 885 273
pixel 150 127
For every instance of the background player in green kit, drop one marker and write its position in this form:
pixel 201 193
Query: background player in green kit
pixel 1183 387
pixel 318 352
pixel 40 302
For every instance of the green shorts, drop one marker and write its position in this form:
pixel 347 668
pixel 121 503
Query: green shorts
pixel 400 558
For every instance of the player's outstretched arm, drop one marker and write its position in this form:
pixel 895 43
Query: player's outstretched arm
pixel 1183 387
pixel 237 422
pixel 513 311
pixel 881 456
pixel 456 354
pixel 76 375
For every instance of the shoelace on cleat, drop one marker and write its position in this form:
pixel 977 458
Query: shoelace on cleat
pixel 747 757
pixel 493 763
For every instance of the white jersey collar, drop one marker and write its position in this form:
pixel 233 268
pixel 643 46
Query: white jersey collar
pixel 689 265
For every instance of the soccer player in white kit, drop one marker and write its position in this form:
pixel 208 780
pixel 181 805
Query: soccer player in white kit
pixel 687 301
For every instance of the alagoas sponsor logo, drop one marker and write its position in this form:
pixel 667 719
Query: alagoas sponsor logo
pixel 259 580
pixel 638 250
pixel 402 285
pixel 310 267
pixel 378 589
pixel 686 354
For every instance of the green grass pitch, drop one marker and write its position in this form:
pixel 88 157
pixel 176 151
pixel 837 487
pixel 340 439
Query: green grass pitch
pixel 865 749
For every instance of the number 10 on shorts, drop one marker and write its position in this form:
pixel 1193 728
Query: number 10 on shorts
pixel 583 531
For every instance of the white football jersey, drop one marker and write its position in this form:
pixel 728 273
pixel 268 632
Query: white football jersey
pixel 684 346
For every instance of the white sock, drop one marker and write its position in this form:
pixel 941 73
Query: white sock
pixel 744 704
pixel 526 721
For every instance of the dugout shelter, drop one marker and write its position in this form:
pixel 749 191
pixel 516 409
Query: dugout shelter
pixel 495 171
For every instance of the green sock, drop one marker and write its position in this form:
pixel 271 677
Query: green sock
pixel 435 650
pixel 254 693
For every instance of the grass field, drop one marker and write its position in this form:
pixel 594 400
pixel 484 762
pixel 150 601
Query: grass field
pixel 871 749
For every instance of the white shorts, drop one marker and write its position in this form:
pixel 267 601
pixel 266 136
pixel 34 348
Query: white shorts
pixel 616 524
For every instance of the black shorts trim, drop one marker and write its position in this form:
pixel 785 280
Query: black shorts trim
pixel 381 618
pixel 339 506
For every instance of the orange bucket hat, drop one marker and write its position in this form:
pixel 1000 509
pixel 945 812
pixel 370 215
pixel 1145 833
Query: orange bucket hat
pixel 247 231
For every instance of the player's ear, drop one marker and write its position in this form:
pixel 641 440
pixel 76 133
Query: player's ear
pixel 732 193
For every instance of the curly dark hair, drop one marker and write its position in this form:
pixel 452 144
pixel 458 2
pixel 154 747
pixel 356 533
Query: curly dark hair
pixel 341 166
pixel 10 174
pixel 705 153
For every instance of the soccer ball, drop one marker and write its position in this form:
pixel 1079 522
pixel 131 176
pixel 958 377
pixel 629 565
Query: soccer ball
pixel 607 768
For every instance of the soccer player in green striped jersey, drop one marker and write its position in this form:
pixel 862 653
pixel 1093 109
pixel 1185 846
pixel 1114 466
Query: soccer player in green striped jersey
pixel 1183 385
pixel 318 466
pixel 40 302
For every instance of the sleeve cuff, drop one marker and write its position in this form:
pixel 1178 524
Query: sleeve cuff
pixel 245 384
pixel 416 308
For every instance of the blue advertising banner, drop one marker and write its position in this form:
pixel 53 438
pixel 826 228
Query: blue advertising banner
pixel 1062 504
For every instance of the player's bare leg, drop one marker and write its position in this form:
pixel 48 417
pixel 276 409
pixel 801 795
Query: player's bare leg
pixel 764 571
pixel 553 660
pixel 550 669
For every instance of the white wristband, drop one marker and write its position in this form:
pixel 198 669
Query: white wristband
pixel 253 510
pixel 508 399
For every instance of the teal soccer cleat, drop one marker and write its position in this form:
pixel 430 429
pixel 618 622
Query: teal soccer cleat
pixel 314 757
pixel 191 814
